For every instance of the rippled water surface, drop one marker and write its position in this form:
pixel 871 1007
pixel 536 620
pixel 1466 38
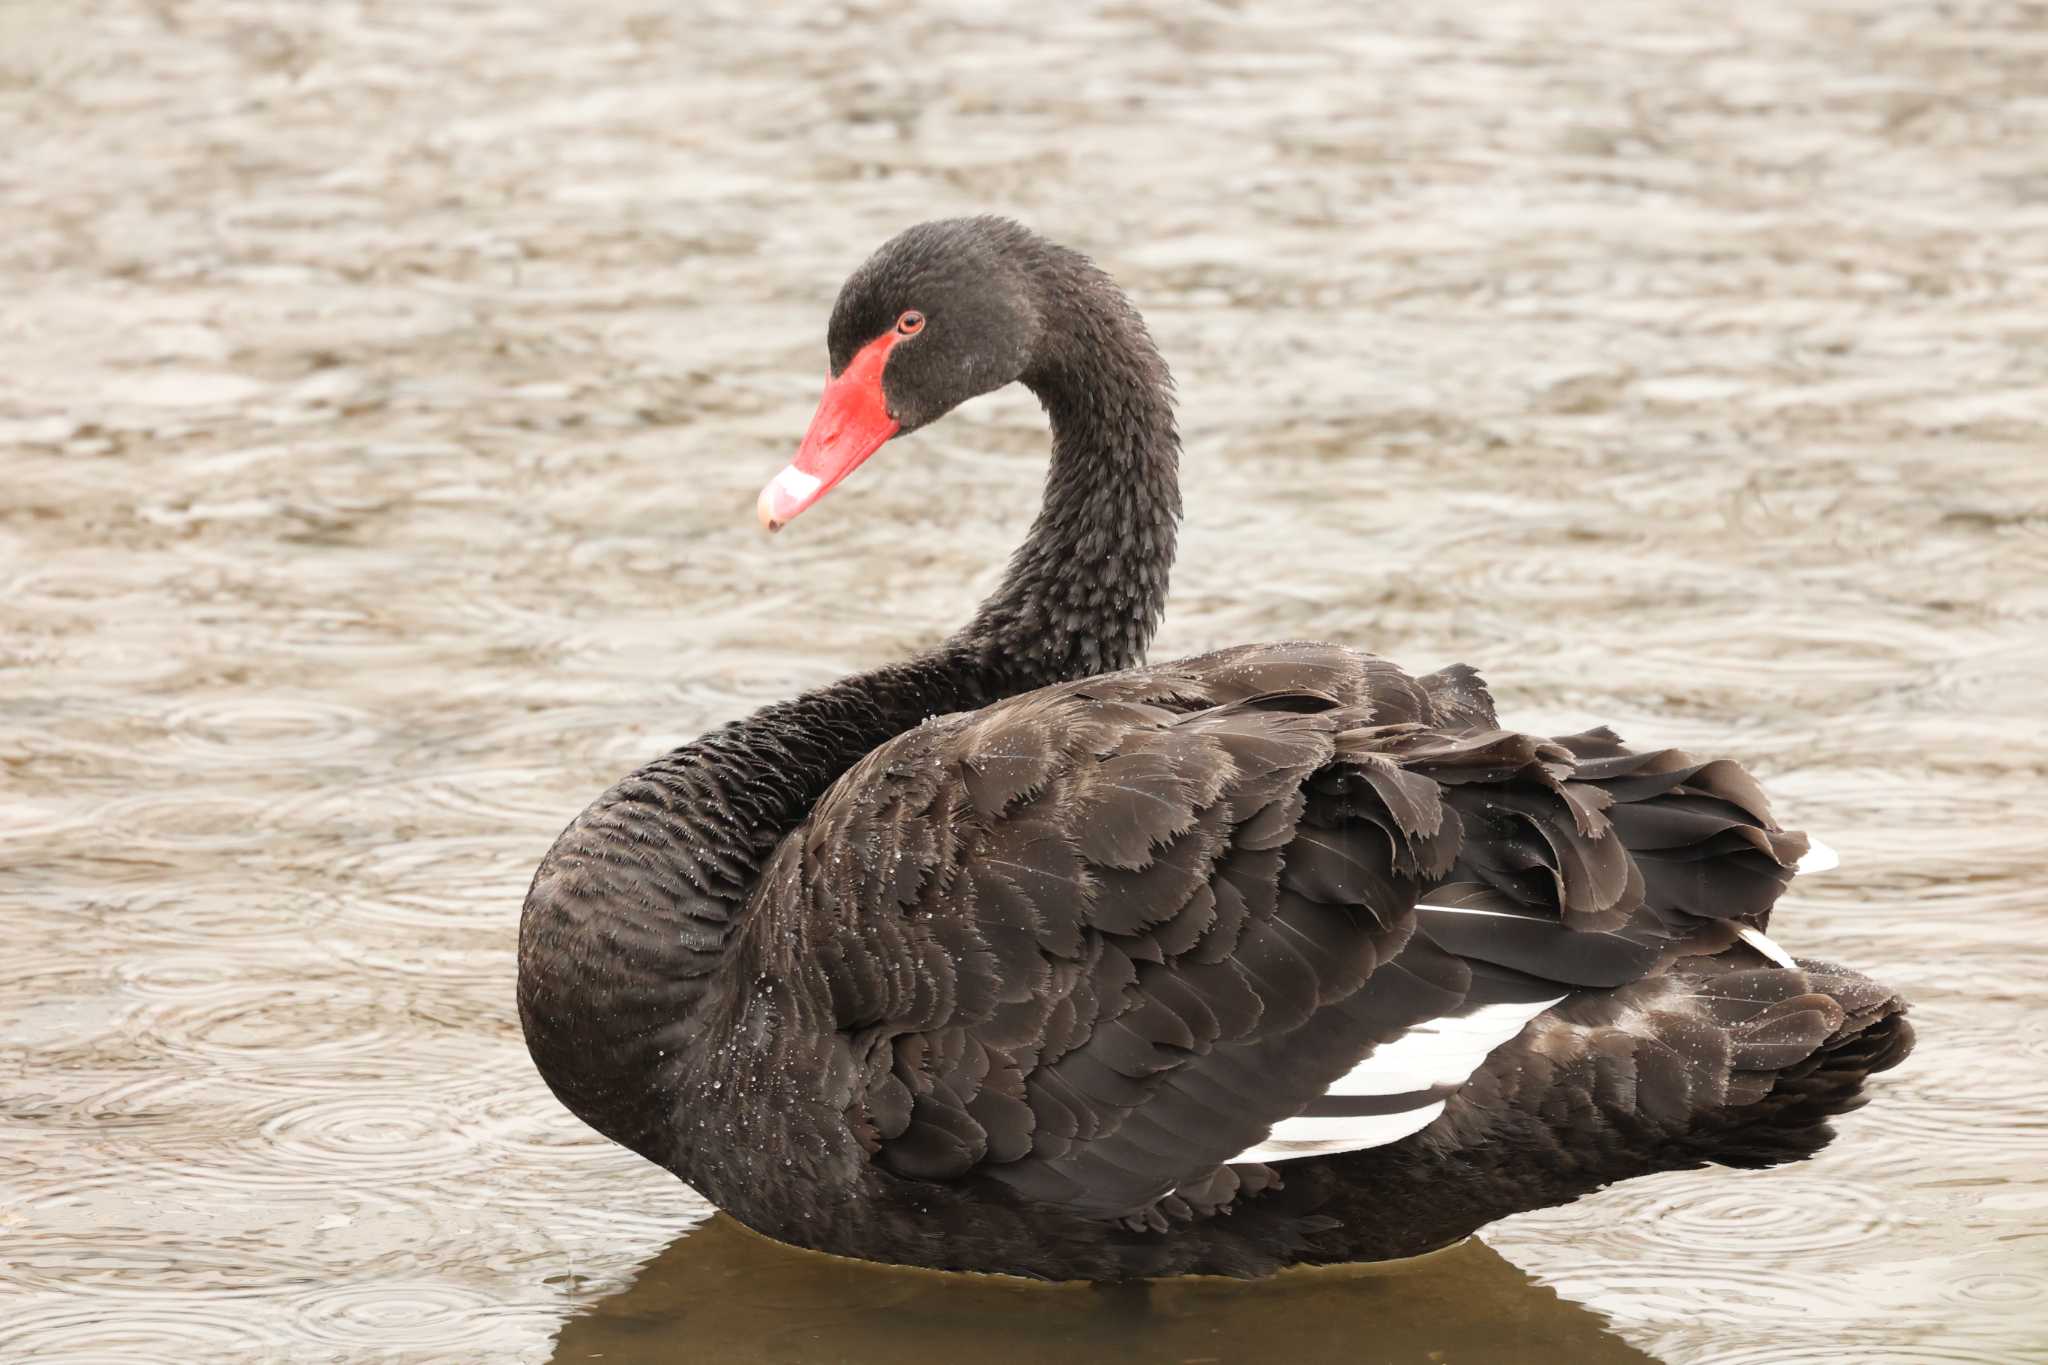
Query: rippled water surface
pixel 383 392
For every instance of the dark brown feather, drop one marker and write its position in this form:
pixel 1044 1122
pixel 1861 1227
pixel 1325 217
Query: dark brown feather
pixel 1168 901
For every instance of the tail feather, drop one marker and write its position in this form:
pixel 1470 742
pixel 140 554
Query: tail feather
pixel 1641 884
pixel 1714 1063
pixel 1770 1055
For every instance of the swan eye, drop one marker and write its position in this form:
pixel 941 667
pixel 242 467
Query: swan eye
pixel 911 323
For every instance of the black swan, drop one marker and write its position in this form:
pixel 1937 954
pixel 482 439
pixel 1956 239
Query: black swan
pixel 1020 956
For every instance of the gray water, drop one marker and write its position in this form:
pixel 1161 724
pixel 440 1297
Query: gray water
pixel 384 388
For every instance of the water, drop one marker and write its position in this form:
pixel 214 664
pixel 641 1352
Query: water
pixel 383 394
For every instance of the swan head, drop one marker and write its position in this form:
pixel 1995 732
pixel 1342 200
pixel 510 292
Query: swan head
pixel 943 312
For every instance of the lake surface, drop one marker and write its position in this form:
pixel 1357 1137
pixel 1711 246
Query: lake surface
pixel 384 389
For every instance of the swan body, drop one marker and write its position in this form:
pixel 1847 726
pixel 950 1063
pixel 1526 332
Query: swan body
pixel 1022 956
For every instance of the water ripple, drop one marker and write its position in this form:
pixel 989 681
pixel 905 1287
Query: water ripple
pixel 224 730
pixel 177 1335
pixel 422 1313
pixel 1808 1219
pixel 270 1027
pixel 1877 1349
pixel 363 1136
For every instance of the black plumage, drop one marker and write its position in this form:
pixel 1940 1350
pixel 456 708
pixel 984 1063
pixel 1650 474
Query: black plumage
pixel 1006 957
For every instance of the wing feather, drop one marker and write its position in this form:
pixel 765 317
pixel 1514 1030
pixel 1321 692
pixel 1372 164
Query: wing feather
pixel 1099 941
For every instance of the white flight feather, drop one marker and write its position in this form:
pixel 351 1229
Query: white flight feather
pixel 1755 938
pixel 1819 858
pixel 1441 1051
pixel 1469 910
pixel 1305 1137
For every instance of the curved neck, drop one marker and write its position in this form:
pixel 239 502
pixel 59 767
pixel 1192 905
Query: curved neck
pixel 1086 589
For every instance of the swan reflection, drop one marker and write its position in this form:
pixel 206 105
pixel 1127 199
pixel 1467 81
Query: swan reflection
pixel 722 1293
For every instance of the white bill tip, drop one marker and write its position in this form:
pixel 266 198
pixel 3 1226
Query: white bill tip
pixel 785 495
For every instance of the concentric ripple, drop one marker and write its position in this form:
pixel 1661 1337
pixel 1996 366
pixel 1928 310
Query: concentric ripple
pixel 270 1026
pixel 1665 1280
pixel 424 1314
pixel 366 1137
pixel 152 1335
pixel 226 730
pixel 1789 1222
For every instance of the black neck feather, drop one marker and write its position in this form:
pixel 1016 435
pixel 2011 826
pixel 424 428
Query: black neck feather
pixel 1085 591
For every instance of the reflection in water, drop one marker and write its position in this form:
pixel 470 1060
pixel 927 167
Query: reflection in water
pixel 720 1292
